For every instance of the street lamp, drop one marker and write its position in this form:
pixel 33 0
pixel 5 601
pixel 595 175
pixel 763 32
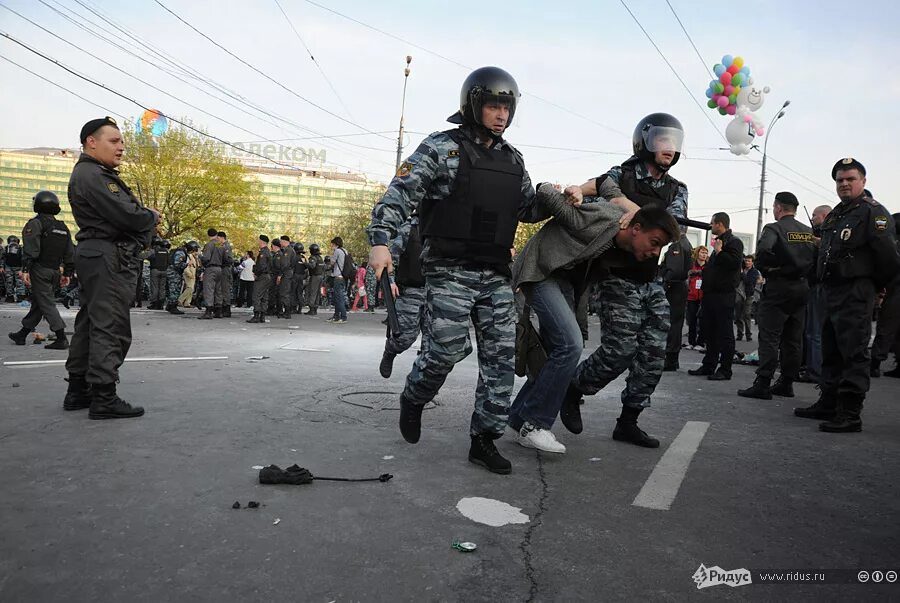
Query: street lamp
pixel 762 178
pixel 402 111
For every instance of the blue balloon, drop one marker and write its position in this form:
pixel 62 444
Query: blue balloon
pixel 712 83
pixel 709 93
pixel 746 71
pixel 727 60
pixel 719 69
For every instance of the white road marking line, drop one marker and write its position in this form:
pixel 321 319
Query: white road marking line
pixel 160 359
pixel 662 486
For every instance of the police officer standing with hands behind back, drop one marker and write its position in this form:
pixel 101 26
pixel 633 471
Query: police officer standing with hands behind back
pixel 48 245
pixel 471 190
pixel 785 255
pixel 114 228
pixel 858 256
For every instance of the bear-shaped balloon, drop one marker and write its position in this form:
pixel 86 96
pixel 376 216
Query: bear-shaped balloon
pixel 745 125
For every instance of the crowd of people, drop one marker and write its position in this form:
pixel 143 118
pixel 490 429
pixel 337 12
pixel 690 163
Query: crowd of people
pixel 444 231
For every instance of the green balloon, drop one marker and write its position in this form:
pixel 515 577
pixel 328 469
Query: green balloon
pixel 720 88
pixel 711 104
pixel 722 111
pixel 732 99
pixel 736 79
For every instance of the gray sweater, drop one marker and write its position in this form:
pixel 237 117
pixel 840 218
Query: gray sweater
pixel 572 236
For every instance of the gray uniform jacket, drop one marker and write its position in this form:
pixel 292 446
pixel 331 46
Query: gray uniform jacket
pixel 574 235
pixel 213 254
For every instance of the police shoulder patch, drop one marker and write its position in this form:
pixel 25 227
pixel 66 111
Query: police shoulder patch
pixel 881 222
pixel 28 230
pixel 113 187
pixel 404 169
pixel 453 153
pixel 799 237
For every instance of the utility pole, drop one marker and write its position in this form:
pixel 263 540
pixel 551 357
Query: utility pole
pixel 402 111
pixel 762 176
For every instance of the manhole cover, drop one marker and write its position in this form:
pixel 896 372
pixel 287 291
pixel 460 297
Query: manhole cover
pixel 375 400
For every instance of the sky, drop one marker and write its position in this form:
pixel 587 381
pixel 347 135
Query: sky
pixel 587 74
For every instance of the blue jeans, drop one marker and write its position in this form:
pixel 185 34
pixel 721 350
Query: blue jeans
pixel 815 318
pixel 340 299
pixel 540 399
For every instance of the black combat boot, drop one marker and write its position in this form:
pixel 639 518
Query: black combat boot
pixel 846 419
pixel 700 371
pixel 286 315
pixel 483 452
pixel 387 364
pixel 105 404
pixel 255 318
pixel 783 387
pixel 895 372
pixel 208 315
pixel 824 408
pixel 410 420
pixel 78 395
pixel 875 368
pixel 61 343
pixel 217 311
pixel 749 337
pixel 20 337
pixel 311 312
pixel 759 389
pixel 172 308
pixel 226 311
pixel 671 363
pixel 739 337
pixel 627 429
pixel 570 411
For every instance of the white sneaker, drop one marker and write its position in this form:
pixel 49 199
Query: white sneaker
pixel 542 439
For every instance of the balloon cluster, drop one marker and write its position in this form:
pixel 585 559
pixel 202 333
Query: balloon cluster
pixel 722 93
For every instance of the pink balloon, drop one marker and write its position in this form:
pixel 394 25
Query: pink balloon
pixel 731 109
pixel 748 119
pixel 760 131
pixel 729 89
pixel 723 101
pixel 725 78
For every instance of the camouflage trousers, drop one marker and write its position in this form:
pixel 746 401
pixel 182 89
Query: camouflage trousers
pixel 634 324
pixel 454 295
pixel 174 284
pixel 410 310
pixel 15 287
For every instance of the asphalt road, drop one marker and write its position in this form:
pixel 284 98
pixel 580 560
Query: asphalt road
pixel 141 510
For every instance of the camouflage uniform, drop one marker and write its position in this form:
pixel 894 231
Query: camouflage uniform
pixel 174 276
pixel 15 287
pixel 634 315
pixel 457 290
pixel 410 305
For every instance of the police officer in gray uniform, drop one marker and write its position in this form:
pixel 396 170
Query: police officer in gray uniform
pixel 212 258
pixel 300 272
pixel 410 279
pixel 224 288
pixel 286 280
pixel 471 190
pixel 857 256
pixel 113 228
pixel 159 264
pixel 785 256
pixel 262 271
pixel 48 244
pixel 316 272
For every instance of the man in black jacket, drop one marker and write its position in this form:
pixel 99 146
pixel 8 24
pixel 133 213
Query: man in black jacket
pixel 674 273
pixel 721 276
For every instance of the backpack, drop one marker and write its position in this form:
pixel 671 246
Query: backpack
pixel 348 270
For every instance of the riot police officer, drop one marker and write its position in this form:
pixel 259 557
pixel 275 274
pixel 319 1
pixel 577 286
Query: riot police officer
pixel 634 295
pixel 12 265
pixel 471 190
pixel 48 244
pixel 114 227
pixel 857 256
pixel 300 272
pixel 159 265
pixel 213 260
pixel 261 270
pixel 316 266
pixel 285 281
pixel 785 255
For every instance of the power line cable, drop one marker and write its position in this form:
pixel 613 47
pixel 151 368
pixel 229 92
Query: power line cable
pixel 309 52
pixel 265 75
pixel 694 46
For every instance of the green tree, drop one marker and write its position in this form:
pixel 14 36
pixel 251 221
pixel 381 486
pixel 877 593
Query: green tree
pixel 350 224
pixel 186 177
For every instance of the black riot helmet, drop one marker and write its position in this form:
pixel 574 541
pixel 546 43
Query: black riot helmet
pixel 657 132
pixel 314 249
pixel 12 239
pixel 166 243
pixel 484 85
pixel 192 246
pixel 299 248
pixel 46 202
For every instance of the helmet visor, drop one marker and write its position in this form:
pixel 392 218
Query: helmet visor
pixel 659 138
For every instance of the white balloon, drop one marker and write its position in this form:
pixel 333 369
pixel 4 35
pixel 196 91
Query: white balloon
pixel 739 135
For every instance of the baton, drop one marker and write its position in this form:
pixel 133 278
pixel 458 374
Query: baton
pixel 693 223
pixel 393 321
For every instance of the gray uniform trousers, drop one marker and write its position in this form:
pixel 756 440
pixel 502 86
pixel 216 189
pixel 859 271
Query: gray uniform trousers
pixel 313 288
pixel 43 303
pixel 108 276
pixel 212 286
pixel 454 296
pixel 285 288
pixel 261 293
pixel 224 287
pixel 157 285
pixel 888 326
pixel 410 311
